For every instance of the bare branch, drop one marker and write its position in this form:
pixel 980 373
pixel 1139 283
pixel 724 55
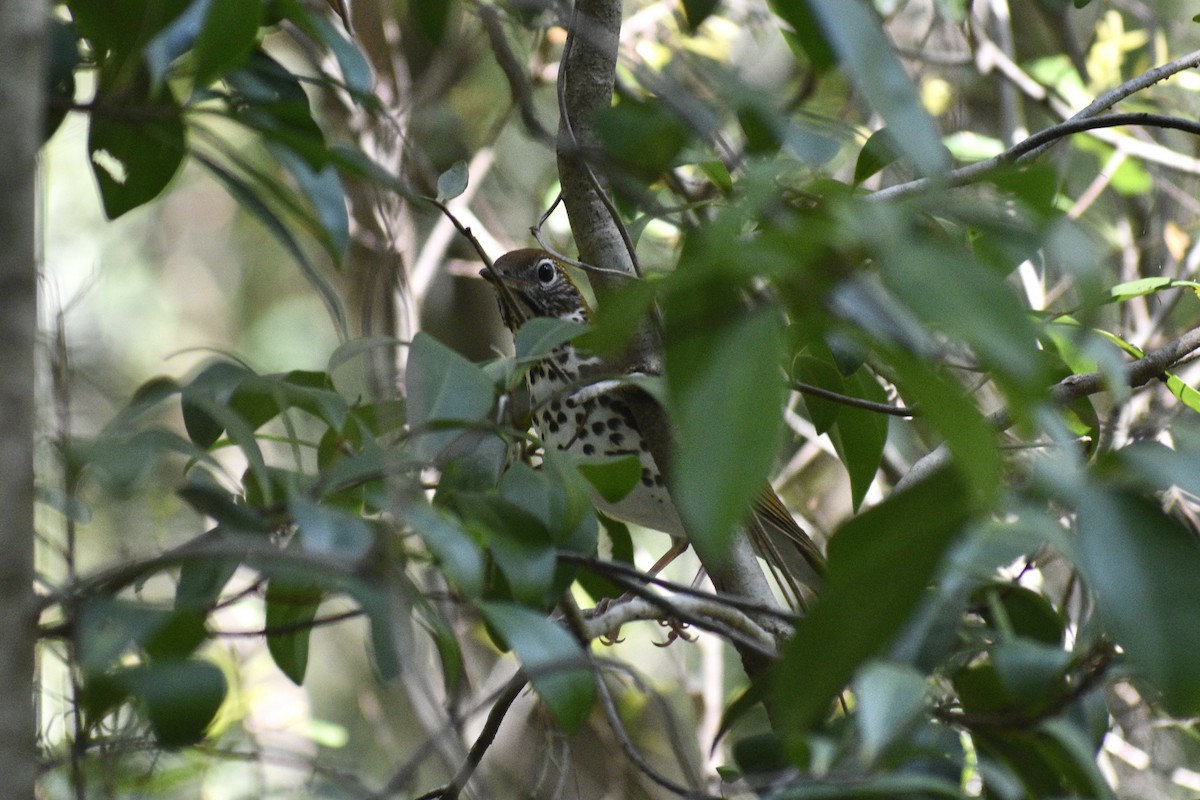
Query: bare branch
pixel 1023 151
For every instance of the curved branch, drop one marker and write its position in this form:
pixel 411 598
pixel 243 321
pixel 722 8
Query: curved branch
pixel 1073 387
pixel 1022 151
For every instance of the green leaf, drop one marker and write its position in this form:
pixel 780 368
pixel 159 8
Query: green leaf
pixel 645 137
pixel 325 192
pixel 613 478
pixel 180 698
pixel 443 387
pixel 1144 286
pixel 852 30
pixel 696 11
pixel 725 394
pixel 540 335
pixel 877 152
pixel 806 33
pixel 329 532
pixel 452 182
pixel 251 202
pixel 889 699
pixel 859 435
pixel 229 34
pixel 879 565
pixel 1144 569
pixel 552 659
pixel 718 174
pixel 817 372
pixel 355 70
pixel 135 156
pixel 519 540
pixel 945 405
pixel 432 18
pixel 457 553
pixel 291 607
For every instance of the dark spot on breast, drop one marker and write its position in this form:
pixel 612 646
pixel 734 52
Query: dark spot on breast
pixel 604 400
pixel 553 426
pixel 561 417
pixel 555 405
pixel 597 428
pixel 614 423
pixel 616 438
pixel 658 480
pixel 570 402
pixel 588 449
pixel 579 418
pixel 563 357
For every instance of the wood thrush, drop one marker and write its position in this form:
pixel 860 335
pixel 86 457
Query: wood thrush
pixel 578 407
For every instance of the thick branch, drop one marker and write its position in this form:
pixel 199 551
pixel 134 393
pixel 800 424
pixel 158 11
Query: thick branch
pixel 21 80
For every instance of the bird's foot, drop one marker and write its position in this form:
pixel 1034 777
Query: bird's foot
pixel 676 629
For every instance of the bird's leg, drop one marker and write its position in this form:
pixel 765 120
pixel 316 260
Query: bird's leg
pixel 678 546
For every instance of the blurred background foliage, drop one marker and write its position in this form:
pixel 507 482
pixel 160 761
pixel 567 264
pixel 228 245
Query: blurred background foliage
pixel 243 197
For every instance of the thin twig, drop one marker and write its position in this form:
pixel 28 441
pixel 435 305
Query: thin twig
pixel 854 402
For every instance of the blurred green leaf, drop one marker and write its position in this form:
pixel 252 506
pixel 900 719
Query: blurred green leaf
pixel 859 435
pixel 432 18
pixel 806 33
pixel 330 532
pixel 1144 286
pixel 642 136
pixel 519 540
pixel 457 553
pixel 880 563
pixel 877 152
pixel 613 478
pixel 134 156
pixel 540 335
pixel 725 395
pixel 816 372
pixel 945 405
pixel 291 608
pixel 250 200
pixel 696 11
pixel 852 30
pixel 443 387
pixel 1144 569
pixel 325 193
pixel 552 659
pixel 229 34
pixel 889 699
pixel 180 698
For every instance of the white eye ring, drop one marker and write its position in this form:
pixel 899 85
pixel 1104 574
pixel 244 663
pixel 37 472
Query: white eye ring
pixel 546 273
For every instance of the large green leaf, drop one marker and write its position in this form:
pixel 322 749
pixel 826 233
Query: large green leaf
pixel 291 607
pixel 1145 571
pixel 135 155
pixel 725 393
pixel 229 34
pixel 551 657
pixel 880 563
pixel 457 553
pixel 180 698
pixel 854 33
pixel 443 388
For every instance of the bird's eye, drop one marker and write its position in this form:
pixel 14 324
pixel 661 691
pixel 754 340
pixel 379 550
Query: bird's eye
pixel 546 272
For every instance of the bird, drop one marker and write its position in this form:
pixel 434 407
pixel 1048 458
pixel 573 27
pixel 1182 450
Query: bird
pixel 579 406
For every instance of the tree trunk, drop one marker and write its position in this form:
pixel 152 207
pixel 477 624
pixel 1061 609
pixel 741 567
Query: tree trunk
pixel 21 99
